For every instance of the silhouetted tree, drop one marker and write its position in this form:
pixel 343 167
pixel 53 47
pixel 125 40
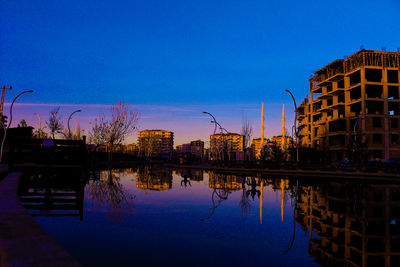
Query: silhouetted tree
pixel 247 131
pixel 55 124
pixel 109 192
pixel 22 123
pixel 114 130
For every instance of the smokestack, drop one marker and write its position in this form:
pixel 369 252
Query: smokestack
pixel 262 124
pixel 283 128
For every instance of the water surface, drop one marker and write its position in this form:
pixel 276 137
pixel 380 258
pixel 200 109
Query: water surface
pixel 154 216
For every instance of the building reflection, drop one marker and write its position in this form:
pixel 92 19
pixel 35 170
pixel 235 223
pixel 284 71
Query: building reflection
pixel 225 181
pixel 50 193
pixel 154 178
pixel 351 224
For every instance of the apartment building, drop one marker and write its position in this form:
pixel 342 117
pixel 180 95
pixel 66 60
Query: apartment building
pixel 197 148
pixel 155 143
pixel 225 146
pixel 354 102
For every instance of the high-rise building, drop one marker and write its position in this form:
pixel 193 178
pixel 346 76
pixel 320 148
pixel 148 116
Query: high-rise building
pixel 354 105
pixel 156 143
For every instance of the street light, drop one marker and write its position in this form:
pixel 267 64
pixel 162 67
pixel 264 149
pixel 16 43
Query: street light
pixel 221 128
pixel 8 126
pixel 215 121
pixel 295 123
pixel 69 131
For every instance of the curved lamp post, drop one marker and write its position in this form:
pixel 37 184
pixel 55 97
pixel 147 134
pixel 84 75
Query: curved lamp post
pixel 69 131
pixel 8 126
pixel 221 128
pixel 214 120
pixel 295 123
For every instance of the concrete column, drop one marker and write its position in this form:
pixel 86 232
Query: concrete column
pixel 386 140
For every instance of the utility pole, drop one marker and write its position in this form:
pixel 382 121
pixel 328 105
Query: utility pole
pixel 2 98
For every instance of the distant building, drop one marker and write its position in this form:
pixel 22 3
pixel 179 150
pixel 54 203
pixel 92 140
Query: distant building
pixel 156 143
pixel 224 146
pixel 184 148
pixel 280 142
pixel 256 147
pixel 197 148
pixel 354 104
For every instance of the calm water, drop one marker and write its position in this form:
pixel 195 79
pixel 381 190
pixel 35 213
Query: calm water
pixel 163 217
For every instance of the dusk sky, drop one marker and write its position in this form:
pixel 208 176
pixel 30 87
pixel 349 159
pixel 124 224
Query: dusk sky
pixel 174 59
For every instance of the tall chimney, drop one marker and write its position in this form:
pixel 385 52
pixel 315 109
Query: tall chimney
pixel 262 125
pixel 283 128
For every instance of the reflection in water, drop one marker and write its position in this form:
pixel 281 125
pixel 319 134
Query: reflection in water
pixel 346 223
pixel 50 193
pixel 154 178
pixel 107 192
pixel 352 224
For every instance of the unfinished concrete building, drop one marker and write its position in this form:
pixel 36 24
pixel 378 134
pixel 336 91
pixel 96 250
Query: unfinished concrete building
pixel 351 225
pixel 354 98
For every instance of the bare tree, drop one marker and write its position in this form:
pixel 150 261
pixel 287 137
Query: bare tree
pixel 22 123
pixel 55 124
pixel 149 144
pixel 247 130
pixel 113 131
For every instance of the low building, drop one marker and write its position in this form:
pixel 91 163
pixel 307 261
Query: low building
pixel 155 143
pixel 184 148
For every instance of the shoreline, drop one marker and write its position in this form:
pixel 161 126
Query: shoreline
pixel 23 242
pixel 339 175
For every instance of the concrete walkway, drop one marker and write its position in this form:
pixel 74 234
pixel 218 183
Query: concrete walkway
pixel 22 241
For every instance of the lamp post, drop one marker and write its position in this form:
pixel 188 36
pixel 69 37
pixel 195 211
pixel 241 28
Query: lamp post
pixel 214 120
pixel 295 123
pixel 69 118
pixel 8 126
pixel 221 128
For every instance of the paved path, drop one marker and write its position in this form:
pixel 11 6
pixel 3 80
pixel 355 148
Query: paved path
pixel 22 241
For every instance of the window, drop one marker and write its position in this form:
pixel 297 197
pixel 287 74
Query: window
pixel 373 75
pixel 377 122
pixel 393 76
pixel 394 123
pixel 377 139
pixel 393 92
pixel 355 77
pixel 340 84
pixel 395 139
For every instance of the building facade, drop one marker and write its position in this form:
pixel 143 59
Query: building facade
pixel 354 107
pixel 225 146
pixel 155 143
pixel 197 148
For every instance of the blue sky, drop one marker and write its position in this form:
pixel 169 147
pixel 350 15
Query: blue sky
pixel 183 53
